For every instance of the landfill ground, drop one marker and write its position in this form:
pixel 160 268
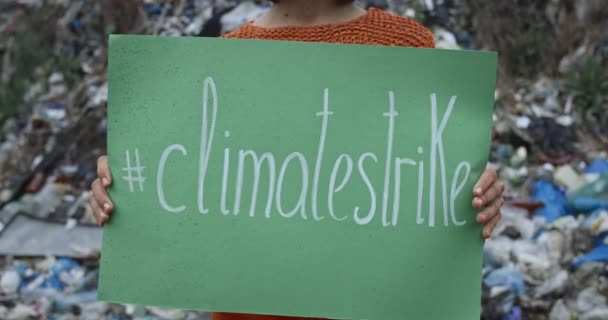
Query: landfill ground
pixel 547 258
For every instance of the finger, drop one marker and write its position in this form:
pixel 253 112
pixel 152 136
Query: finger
pixel 99 215
pixel 101 196
pixel 94 207
pixel 485 181
pixel 487 230
pixel 489 196
pixel 103 171
pixel 489 212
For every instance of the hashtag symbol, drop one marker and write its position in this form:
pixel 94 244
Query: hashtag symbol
pixel 134 173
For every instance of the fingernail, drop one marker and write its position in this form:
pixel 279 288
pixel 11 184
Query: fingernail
pixel 480 218
pixel 478 190
pixel 105 182
pixel 103 216
pixel 477 202
pixel 107 206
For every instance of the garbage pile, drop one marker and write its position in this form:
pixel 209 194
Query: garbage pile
pixel 53 98
pixel 548 254
pixel 53 110
pixel 63 288
pixel 547 258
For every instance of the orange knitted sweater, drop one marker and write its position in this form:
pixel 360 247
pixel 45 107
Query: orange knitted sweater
pixel 376 27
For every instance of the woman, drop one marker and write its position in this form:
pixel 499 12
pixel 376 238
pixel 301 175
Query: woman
pixel 335 21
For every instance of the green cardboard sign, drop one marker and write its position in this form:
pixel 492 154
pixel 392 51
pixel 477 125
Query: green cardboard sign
pixel 301 179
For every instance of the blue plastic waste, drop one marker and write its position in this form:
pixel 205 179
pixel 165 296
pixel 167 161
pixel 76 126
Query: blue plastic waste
pixel 154 10
pixel 597 189
pixel 515 314
pixel 63 265
pixel 52 282
pixel 464 39
pixel 503 151
pixel 53 279
pixel 77 24
pixel 26 273
pixel 599 166
pixel 507 277
pixel 600 253
pixel 554 200
pixel 64 302
pixel 585 204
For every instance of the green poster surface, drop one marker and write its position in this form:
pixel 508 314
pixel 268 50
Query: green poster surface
pixel 301 179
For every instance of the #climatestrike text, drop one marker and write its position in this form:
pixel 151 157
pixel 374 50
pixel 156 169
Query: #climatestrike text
pixel 344 169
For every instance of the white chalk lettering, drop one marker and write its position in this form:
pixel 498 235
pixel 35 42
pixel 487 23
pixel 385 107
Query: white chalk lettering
pixel 391 114
pixel 223 207
pixel 370 187
pixel 397 187
pixel 419 218
pixel 315 184
pixel 257 166
pixel 160 174
pixel 253 163
pixel 455 190
pixel 332 183
pixel 206 139
pixel 301 205
pixel 437 147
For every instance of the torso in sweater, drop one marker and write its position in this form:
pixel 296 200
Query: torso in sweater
pixel 376 27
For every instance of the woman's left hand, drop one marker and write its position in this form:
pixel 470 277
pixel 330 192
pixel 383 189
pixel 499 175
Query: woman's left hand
pixel 488 196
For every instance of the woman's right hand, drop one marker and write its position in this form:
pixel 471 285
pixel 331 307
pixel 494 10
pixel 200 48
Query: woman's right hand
pixel 99 199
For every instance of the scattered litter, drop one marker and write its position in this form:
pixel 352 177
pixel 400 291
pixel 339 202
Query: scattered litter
pixel 547 258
